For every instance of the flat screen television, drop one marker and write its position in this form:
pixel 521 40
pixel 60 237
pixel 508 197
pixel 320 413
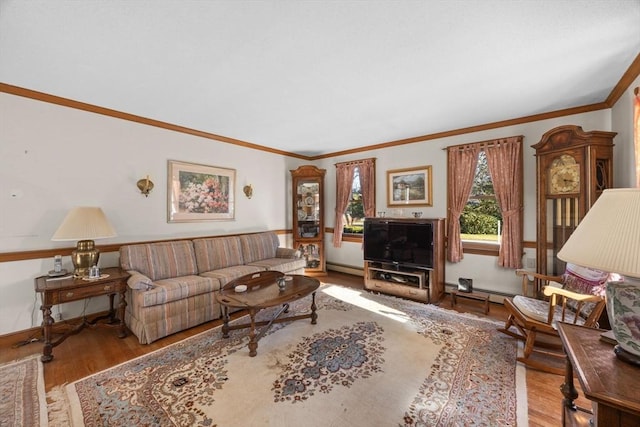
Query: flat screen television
pixel 404 243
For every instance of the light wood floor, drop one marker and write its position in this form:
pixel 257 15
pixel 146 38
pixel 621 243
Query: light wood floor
pixel 93 350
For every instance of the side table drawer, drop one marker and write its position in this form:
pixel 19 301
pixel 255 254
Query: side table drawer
pixel 87 291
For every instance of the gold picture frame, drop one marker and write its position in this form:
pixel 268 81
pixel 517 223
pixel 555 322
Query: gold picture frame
pixel 410 187
pixel 198 192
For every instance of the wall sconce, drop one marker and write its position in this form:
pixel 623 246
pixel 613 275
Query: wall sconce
pixel 145 185
pixel 248 191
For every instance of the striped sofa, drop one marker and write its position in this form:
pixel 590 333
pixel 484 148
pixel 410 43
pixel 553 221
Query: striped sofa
pixel 172 285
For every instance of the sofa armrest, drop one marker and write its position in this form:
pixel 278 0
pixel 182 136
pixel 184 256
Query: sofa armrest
pixel 138 281
pixel 287 253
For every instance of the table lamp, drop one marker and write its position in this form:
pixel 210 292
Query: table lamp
pixel 608 239
pixel 84 224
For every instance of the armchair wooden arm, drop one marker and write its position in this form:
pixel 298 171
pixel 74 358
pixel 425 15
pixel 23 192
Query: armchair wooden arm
pixel 577 303
pixel 535 281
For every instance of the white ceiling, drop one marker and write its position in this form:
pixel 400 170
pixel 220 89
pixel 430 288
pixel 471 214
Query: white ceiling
pixel 314 77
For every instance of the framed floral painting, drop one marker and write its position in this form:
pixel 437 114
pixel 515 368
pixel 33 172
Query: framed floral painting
pixel 200 192
pixel 409 187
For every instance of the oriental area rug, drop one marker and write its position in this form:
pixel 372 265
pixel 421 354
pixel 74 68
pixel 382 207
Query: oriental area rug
pixel 371 360
pixel 22 389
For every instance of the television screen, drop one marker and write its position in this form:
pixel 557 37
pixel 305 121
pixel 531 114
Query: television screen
pixel 406 243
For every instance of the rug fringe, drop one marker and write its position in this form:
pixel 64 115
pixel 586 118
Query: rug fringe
pixel 58 406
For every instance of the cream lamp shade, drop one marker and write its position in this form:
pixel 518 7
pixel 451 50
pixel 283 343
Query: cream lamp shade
pixel 84 224
pixel 608 239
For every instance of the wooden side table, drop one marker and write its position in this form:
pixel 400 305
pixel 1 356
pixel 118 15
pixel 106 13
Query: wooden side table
pixel 610 383
pixel 55 291
pixel 477 296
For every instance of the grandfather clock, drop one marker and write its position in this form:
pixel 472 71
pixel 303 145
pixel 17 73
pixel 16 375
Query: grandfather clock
pixel 573 168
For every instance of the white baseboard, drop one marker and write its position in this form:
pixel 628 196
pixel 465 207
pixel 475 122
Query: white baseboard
pixel 346 269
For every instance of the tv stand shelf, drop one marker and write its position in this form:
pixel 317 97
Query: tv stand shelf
pixel 424 284
pixel 408 283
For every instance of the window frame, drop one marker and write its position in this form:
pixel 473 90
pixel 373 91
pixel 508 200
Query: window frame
pixel 482 247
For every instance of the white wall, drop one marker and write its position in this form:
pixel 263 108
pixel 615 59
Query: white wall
pixel 55 158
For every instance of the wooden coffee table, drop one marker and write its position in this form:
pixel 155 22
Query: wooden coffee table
pixel 263 292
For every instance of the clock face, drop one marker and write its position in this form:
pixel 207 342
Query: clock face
pixel 564 175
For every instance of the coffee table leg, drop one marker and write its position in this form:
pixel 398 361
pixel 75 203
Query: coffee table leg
pixel 225 325
pixel 314 315
pixel 253 342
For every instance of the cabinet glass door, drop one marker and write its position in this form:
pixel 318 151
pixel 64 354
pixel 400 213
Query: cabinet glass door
pixel 308 203
pixel 312 253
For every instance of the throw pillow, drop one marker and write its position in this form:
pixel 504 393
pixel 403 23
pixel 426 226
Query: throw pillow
pixel 584 280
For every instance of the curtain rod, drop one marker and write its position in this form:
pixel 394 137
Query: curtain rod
pixel 356 162
pixel 487 142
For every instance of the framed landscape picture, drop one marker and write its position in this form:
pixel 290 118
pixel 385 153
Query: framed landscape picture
pixel 200 192
pixel 409 187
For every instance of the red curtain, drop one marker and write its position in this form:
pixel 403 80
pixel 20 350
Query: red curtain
pixel 504 158
pixel 368 185
pixel 462 161
pixel 636 132
pixel 344 181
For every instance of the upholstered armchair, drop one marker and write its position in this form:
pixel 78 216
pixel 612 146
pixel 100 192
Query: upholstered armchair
pixel 570 298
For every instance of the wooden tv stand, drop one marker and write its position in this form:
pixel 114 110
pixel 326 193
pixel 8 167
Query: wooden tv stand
pixel 420 284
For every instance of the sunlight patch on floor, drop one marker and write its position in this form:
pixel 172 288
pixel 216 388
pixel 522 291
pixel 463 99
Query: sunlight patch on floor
pixel 359 299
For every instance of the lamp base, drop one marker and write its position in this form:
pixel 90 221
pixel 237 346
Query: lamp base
pixel 624 355
pixel 84 257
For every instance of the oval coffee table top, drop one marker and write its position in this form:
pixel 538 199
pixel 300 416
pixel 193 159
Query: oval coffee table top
pixel 262 290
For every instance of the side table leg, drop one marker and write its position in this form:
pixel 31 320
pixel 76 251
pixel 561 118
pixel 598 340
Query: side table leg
pixel 47 321
pixel 121 308
pixel 112 311
pixel 568 389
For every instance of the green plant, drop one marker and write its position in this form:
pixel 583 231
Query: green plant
pixel 477 222
pixel 353 229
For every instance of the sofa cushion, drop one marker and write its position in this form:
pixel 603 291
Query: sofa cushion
pixel 225 275
pixel 285 265
pixel 160 260
pixel 218 252
pixel 259 246
pixel 174 289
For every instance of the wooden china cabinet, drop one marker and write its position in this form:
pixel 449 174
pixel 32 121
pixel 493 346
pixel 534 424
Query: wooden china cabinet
pixel 573 168
pixel 308 217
